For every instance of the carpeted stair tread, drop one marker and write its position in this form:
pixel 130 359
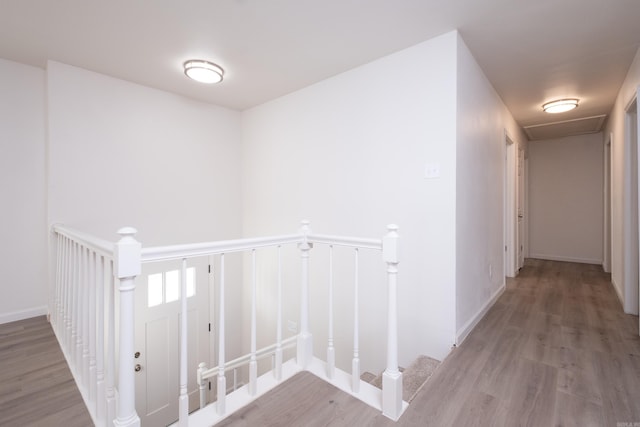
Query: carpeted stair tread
pixel 413 377
pixel 367 377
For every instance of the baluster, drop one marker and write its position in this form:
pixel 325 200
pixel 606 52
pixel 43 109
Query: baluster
pixel 278 353
pixel 55 306
pixel 100 302
pixel 93 375
pixel 183 402
pixel 392 377
pixel 62 321
pixel 60 327
pixel 305 339
pixel 222 380
pixel 253 364
pixel 331 352
pixel 128 267
pixel 71 333
pixel 77 312
pixel 201 384
pixel 85 317
pixel 355 364
pixel 110 389
pixel 67 299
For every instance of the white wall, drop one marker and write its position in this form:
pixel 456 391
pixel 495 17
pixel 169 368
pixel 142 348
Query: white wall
pixel 620 182
pixel 566 201
pixel 482 120
pixel 23 256
pixel 349 154
pixel 124 154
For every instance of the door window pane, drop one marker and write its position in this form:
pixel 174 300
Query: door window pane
pixel 191 281
pixel 172 285
pixel 154 289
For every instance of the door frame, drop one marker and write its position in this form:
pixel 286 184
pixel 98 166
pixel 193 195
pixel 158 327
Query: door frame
pixel 521 206
pixel 509 205
pixel 606 233
pixel 631 201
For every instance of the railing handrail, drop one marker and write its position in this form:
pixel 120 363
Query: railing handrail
pixel 244 360
pixel 173 252
pixel 352 242
pixel 84 260
pixel 103 247
pixel 181 251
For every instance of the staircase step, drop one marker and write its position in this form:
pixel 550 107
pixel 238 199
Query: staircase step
pixel 413 377
pixel 367 377
pixel 416 376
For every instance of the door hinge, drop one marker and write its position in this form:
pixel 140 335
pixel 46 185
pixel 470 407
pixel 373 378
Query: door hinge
pixel 209 268
pixel 209 327
pixel 209 385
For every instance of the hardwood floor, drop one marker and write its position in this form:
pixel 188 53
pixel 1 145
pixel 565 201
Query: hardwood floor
pixel 36 386
pixel 555 350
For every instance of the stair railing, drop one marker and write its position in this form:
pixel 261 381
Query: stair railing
pixel 86 267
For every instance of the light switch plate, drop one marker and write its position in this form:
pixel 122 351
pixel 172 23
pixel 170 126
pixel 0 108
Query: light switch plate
pixel 432 170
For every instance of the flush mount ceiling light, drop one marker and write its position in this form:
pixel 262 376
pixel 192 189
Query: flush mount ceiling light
pixel 203 71
pixel 560 106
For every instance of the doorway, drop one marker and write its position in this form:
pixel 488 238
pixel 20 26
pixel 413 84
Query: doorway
pixel 631 236
pixel 606 261
pixel 510 207
pixel 158 316
pixel 521 242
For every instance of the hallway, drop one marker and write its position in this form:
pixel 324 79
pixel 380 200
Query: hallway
pixel 556 349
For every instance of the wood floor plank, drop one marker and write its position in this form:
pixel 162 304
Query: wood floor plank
pixel 36 386
pixel 572 411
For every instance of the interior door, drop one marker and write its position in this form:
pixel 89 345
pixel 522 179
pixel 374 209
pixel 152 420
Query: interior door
pixel 158 314
pixel 521 196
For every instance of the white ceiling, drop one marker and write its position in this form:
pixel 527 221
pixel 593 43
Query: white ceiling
pixel 531 51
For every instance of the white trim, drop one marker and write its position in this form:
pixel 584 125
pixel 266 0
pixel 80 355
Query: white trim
pixel 509 205
pixel 14 316
pixel 468 327
pixel 597 261
pixel 618 291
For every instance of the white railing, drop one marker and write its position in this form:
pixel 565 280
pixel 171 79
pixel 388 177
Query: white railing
pixel 86 269
pixel 83 314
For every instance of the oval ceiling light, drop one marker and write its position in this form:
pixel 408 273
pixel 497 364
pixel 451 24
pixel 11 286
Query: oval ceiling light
pixel 203 71
pixel 560 105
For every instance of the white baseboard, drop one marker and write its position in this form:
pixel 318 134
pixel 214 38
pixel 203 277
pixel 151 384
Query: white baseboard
pixel 471 323
pixel 23 314
pixel 566 258
pixel 618 291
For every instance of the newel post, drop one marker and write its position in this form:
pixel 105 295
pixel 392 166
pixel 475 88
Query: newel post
pixel 127 266
pixel 392 377
pixel 305 340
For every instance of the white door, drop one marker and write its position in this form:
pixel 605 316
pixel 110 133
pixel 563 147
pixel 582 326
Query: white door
pixel 521 195
pixel 158 336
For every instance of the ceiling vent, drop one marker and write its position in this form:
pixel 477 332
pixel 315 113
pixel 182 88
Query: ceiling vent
pixel 565 128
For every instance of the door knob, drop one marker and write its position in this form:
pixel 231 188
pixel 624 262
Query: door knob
pixel 138 367
pixel 137 354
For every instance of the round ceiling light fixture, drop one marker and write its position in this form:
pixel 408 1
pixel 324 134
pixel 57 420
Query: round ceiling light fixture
pixel 203 71
pixel 560 105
